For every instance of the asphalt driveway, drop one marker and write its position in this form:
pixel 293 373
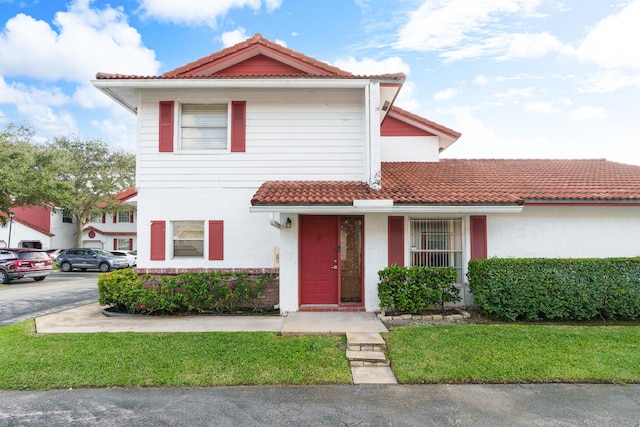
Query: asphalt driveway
pixel 396 405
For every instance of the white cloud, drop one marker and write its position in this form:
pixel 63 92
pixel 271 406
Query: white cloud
pixel 613 42
pixel 84 42
pixel 199 12
pixel 540 107
pixel 369 66
pixel 585 112
pixel 462 29
pixel 230 38
pixel 610 81
pixel 481 80
pixel 281 42
pixel 443 24
pixel 119 131
pixel 407 97
pixel 21 94
pixel 504 47
pixel 446 94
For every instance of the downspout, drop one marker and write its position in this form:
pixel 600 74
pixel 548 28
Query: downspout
pixel 273 221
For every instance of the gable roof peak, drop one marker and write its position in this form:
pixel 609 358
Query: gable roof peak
pixel 252 47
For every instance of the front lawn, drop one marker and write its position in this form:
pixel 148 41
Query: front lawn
pixel 425 354
pixel 515 353
pixel 32 361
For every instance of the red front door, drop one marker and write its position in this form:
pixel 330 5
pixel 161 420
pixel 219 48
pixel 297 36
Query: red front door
pixel 319 259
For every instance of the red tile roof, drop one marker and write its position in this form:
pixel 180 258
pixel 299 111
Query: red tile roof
pixel 309 67
pixel 468 182
pixel 255 41
pixel 438 127
pixel 127 194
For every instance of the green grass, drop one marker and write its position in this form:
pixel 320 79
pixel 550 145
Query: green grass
pixel 32 361
pixel 427 354
pixel 515 354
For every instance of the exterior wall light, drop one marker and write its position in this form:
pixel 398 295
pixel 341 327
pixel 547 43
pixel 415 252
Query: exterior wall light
pixel 287 224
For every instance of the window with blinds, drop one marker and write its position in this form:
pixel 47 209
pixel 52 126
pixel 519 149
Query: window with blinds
pixel 188 238
pixel 204 127
pixel 437 243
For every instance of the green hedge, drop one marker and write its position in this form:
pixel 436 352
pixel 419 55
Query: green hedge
pixel 218 292
pixel 415 289
pixel 544 288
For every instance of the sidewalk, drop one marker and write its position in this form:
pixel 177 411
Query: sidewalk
pixel 89 318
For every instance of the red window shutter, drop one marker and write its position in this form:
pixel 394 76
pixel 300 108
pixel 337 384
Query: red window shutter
pixel 115 244
pixel 158 242
pixel 131 219
pixel 478 237
pixel 396 240
pixel 238 126
pixel 104 218
pixel 216 240
pixel 165 130
pixel 115 218
pixel 130 244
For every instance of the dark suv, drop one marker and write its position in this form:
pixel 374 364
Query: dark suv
pixel 90 259
pixel 21 263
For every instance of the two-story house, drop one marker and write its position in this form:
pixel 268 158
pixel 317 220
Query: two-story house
pixel 113 230
pixel 258 157
pixel 50 227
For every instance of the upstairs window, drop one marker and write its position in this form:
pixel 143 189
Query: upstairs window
pixel 204 127
pixel 66 217
pixel 124 216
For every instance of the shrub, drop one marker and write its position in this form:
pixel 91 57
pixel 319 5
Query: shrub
pixel 416 289
pixel 542 288
pixel 217 292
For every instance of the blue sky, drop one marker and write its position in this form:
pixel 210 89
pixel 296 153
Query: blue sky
pixel 518 78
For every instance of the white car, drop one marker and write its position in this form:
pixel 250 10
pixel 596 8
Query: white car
pixel 131 256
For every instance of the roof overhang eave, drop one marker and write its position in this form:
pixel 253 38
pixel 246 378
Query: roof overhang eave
pixel 200 83
pixel 125 91
pixel 395 209
pixel 581 202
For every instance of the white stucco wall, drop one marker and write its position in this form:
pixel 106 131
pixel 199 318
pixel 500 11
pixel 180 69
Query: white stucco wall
pixel 249 240
pixel 565 232
pixel 289 289
pixel 20 233
pixel 409 149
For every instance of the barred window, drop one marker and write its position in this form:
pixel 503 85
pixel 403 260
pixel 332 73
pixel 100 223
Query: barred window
pixel 437 243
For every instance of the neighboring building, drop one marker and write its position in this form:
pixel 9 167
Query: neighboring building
pixel 48 227
pixel 261 158
pixel 113 231
pixel 40 227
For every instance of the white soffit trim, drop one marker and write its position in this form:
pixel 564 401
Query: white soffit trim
pixel 373 203
pixel 396 209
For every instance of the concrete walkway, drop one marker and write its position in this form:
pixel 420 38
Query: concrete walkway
pixel 90 318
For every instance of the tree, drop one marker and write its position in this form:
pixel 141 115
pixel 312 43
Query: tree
pixel 86 176
pixel 18 170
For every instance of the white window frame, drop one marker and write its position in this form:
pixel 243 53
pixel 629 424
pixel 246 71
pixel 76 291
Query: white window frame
pixel 123 244
pixel 187 238
pixel 437 248
pixel 128 214
pixel 211 150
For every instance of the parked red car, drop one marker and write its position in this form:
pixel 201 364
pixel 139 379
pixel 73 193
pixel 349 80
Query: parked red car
pixel 23 263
